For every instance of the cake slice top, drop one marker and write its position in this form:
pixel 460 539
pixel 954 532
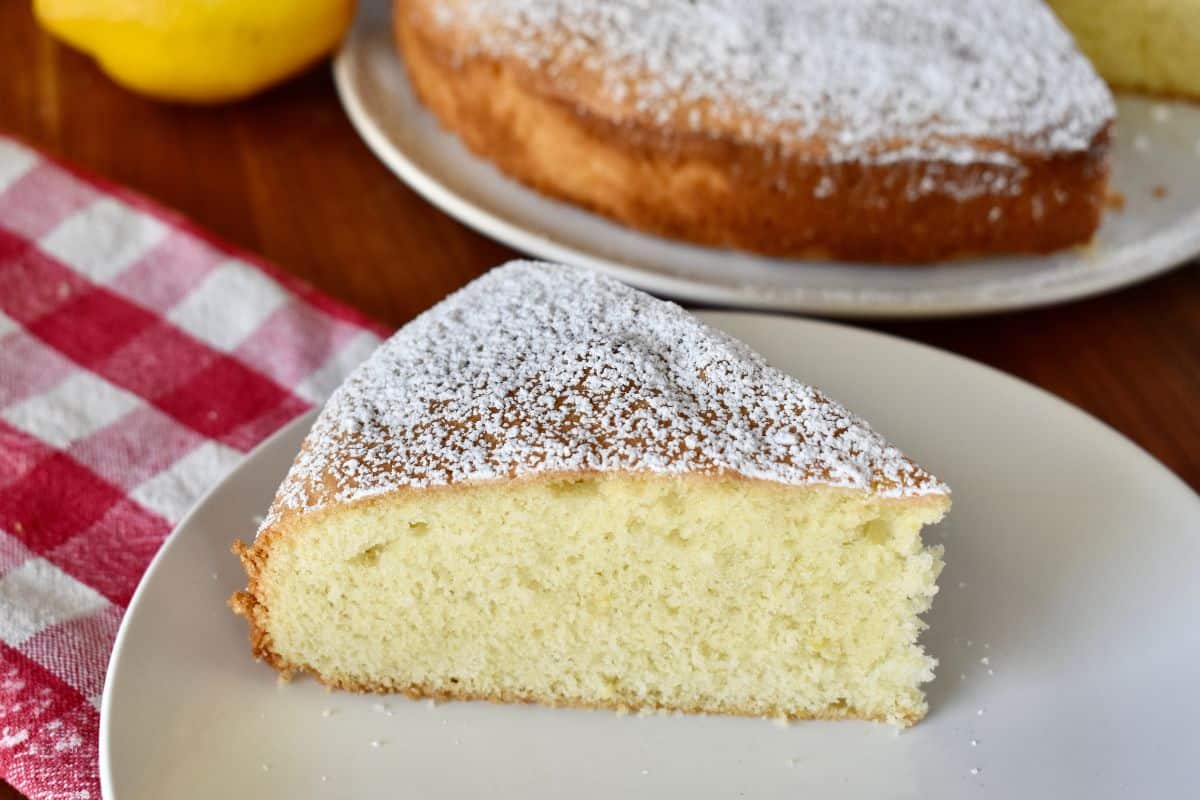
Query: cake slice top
pixel 536 370
pixel 864 80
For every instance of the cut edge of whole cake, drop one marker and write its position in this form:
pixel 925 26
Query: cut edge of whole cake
pixel 554 488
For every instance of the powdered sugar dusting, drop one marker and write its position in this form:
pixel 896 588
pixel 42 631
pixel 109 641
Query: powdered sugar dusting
pixel 875 80
pixel 541 369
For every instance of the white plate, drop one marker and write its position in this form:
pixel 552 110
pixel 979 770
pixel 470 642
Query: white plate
pixel 1072 563
pixel 1148 237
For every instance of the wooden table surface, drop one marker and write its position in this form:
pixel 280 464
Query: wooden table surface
pixel 286 176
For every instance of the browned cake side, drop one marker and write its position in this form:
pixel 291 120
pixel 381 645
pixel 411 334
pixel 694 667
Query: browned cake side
pixel 717 190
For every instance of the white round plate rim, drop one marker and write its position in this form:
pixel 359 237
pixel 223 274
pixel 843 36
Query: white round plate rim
pixel 1079 276
pixel 771 329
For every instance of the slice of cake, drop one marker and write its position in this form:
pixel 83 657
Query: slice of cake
pixel 1145 45
pixel 858 129
pixel 554 488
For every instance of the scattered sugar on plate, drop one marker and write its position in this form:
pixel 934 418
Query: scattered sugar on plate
pixel 376 744
pixel 645 772
pixel 379 708
pixel 1141 143
pixel 265 767
pixel 974 770
pixel 974 743
pixel 984 661
pixel 324 778
pixel 991 672
pixel 969 643
pixel 962 584
pixel 979 713
pixel 328 712
pixel 1160 113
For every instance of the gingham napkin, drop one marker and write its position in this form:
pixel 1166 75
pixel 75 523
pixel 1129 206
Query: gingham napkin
pixel 139 361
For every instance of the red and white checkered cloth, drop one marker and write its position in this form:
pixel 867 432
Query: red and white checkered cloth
pixel 140 359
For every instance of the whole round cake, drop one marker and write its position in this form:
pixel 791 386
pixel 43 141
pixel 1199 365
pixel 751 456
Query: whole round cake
pixel 857 129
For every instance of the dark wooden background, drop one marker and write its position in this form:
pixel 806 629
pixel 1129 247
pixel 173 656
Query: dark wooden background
pixel 286 176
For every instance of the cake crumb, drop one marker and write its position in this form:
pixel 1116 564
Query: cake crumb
pixel 779 722
pixel 1159 192
pixel 1141 143
pixel 430 704
pixel 1114 200
pixel 213 575
pixel 379 708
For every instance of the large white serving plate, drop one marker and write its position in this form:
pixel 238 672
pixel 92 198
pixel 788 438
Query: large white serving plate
pixel 1072 565
pixel 1157 145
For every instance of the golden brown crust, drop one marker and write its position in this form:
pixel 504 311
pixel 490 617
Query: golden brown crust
pixel 449 693
pixel 718 191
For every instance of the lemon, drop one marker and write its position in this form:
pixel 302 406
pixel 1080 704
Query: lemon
pixel 199 51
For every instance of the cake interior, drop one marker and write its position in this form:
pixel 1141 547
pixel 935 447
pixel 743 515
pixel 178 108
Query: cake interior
pixel 1139 45
pixel 691 593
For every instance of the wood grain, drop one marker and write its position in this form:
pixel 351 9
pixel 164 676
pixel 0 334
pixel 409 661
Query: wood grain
pixel 286 176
